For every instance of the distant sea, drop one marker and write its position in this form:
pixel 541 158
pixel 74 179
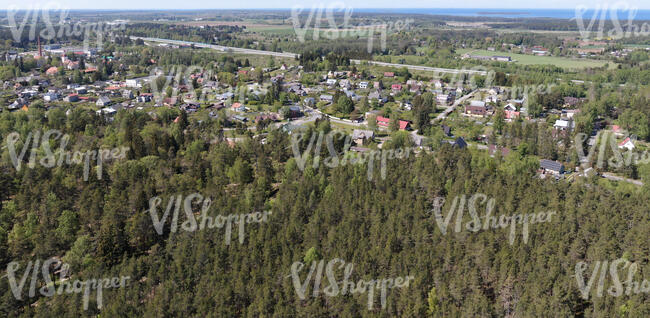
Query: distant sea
pixel 518 13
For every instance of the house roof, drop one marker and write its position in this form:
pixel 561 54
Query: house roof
pixel 477 103
pixel 551 165
pixel 625 141
pixel 358 133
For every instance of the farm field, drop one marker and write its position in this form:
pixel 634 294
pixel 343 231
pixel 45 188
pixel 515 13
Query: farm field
pixel 525 59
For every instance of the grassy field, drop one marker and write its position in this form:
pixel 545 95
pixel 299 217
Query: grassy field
pixel 525 59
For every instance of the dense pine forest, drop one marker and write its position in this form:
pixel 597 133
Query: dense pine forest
pixel 385 227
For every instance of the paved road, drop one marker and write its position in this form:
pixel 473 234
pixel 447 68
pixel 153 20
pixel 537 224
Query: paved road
pixel 617 178
pixel 450 109
pixel 294 55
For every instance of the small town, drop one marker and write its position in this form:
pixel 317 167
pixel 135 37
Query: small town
pixel 495 158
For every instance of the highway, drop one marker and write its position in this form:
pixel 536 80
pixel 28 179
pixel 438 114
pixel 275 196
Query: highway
pixel 228 49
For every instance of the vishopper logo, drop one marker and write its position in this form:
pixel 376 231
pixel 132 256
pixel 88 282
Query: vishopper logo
pixel 600 16
pixel 613 268
pixel 168 83
pixel 489 221
pixel 190 224
pixel 49 288
pixel 349 157
pixel 346 286
pixel 59 29
pixel 600 143
pixel 334 32
pixel 49 159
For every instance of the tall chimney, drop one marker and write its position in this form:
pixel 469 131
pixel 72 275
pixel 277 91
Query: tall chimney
pixel 40 50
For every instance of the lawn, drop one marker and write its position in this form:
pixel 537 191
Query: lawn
pixel 525 59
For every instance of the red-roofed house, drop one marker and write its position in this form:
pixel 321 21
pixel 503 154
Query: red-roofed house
pixel 396 87
pixel 389 74
pixel 511 114
pixel 617 130
pixel 385 122
pixel 52 70
pixel 626 143
pixel 71 98
pixel 238 107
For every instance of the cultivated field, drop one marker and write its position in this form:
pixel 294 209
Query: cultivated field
pixel 525 59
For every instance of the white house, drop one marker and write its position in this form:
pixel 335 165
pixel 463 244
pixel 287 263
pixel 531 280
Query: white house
pixel 627 144
pixel 134 82
pixel 563 124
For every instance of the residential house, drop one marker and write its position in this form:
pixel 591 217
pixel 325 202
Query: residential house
pixel 569 113
pixel 103 101
pixel 618 131
pixel 50 97
pixel 144 98
pixel 389 74
pixel 345 84
pixel 52 70
pixel 458 143
pixel 326 98
pixel 626 144
pixel 396 87
pixel 291 128
pixel 492 99
pixel 170 101
pixel 561 124
pixel 295 111
pixel 309 101
pixel 127 94
pixel 352 95
pixel 550 166
pixel 108 112
pixel 362 137
pixel 376 95
pixel 510 107
pixel 476 108
pixel 271 117
pixel 239 118
pixel 571 101
pixel 81 90
pixel 444 99
pixel 363 85
pixel 511 115
pixel 238 107
pixel 71 98
pixel 17 104
pixel 385 122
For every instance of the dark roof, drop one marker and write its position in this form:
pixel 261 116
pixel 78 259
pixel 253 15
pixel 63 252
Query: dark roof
pixel 551 165
pixel 446 129
pixel 459 142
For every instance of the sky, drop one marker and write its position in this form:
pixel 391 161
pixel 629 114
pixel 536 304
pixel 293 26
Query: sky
pixel 275 4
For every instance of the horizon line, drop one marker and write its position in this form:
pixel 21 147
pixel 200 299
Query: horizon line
pixel 282 9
